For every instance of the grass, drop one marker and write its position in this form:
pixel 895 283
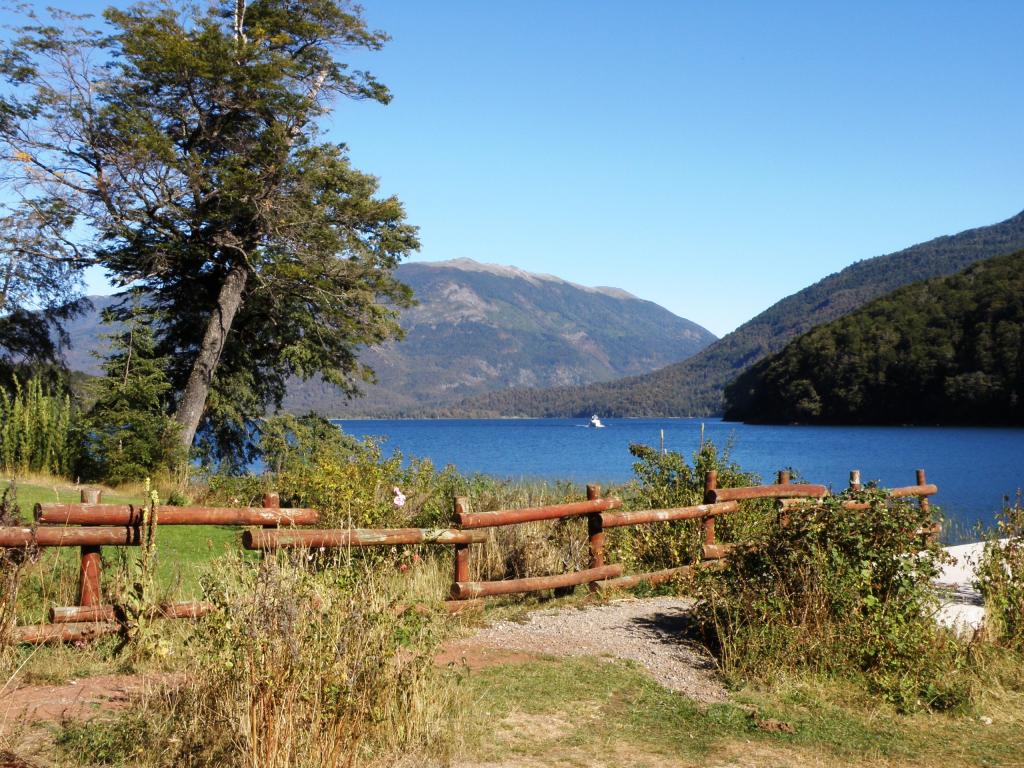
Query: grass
pixel 589 711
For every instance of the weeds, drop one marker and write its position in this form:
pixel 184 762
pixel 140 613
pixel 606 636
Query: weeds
pixel 305 667
pixel 1001 578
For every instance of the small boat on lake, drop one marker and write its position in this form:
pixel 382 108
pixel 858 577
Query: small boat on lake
pixel 596 422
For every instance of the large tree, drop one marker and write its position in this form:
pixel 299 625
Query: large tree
pixel 186 144
pixel 39 285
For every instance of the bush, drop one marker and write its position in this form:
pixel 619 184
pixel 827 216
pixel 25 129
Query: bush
pixel 665 480
pixel 1001 578
pixel 839 591
pixel 305 667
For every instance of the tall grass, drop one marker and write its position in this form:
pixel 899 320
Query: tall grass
pixel 305 666
pixel 35 430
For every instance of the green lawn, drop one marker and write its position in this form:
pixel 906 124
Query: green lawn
pixel 182 552
pixel 599 712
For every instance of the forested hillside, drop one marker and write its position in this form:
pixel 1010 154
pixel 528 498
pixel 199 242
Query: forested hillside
pixel 944 351
pixel 695 386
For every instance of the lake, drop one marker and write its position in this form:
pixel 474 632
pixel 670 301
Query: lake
pixel 973 467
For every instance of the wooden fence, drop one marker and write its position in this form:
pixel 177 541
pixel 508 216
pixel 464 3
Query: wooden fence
pixel 91 525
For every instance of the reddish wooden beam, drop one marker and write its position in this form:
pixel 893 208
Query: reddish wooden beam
pixel 652 578
pixel 532 514
pixel 131 515
pixel 924 489
pixel 356 537
pixel 37 634
pixel 641 517
pixel 68 537
pixel 462 590
pixel 788 491
pixel 103 613
pixel 716 551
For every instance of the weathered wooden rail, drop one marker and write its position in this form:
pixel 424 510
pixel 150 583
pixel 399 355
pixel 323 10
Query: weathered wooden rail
pixel 91 525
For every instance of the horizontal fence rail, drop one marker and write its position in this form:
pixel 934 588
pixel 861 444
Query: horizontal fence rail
pixel 462 590
pixel 69 537
pixel 132 515
pixel 790 490
pixel 105 613
pixel 533 514
pixel 617 519
pixel 357 537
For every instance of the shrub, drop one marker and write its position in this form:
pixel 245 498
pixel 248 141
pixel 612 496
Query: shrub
pixel 305 667
pixel 665 480
pixel 36 430
pixel 1001 578
pixel 840 591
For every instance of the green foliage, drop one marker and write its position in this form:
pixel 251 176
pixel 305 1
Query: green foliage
pixel 129 435
pixel 40 280
pixel 695 386
pixel 947 350
pixel 352 482
pixel 840 591
pixel 36 430
pixel 265 253
pixel 665 480
pixel 1001 578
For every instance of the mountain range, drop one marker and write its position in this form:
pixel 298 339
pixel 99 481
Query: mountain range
pixel 477 328
pixel 695 386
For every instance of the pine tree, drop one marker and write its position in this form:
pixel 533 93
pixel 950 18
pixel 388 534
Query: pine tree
pixel 130 435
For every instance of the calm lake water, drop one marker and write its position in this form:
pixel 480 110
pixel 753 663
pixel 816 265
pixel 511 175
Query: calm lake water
pixel 973 467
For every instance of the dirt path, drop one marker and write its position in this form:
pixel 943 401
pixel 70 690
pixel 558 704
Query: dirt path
pixel 74 700
pixel 650 632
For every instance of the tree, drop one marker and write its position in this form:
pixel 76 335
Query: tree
pixel 186 141
pixel 129 435
pixel 39 286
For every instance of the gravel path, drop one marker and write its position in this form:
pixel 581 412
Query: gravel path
pixel 650 632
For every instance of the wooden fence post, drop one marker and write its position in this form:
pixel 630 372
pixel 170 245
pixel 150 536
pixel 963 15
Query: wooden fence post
pixel 461 550
pixel 89 592
pixel 710 484
pixel 926 507
pixel 784 477
pixel 855 480
pixel 595 533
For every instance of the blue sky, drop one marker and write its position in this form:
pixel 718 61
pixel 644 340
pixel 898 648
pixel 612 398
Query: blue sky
pixel 713 157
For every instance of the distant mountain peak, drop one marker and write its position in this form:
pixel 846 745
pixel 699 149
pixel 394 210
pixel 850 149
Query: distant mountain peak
pixel 535 278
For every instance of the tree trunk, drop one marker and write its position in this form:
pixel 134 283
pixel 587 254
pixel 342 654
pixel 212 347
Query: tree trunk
pixel 193 400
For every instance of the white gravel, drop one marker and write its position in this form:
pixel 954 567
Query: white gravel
pixel 648 631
